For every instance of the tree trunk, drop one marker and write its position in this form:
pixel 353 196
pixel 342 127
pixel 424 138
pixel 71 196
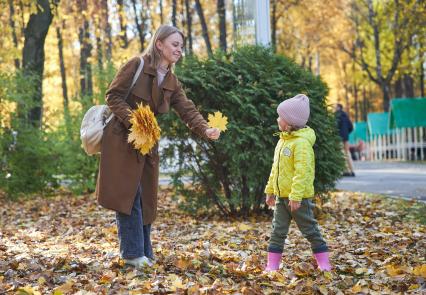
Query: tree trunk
pixel 12 26
pixel 356 101
pixel 399 91
pixel 161 11
pixel 189 26
pixel 245 194
pixel 364 104
pixel 183 19
pixel 221 11
pixel 347 105
pixel 174 10
pixel 310 63
pixel 62 65
pixel 99 53
pixel 204 27
pixel 422 76
pixel 123 25
pixel 63 78
pixel 139 26
pixel 386 95
pixel 408 86
pixel 318 63
pixel 22 16
pixel 33 55
pixel 86 84
pixel 274 25
pixel 107 30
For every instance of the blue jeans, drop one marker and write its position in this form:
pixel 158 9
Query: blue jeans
pixel 133 236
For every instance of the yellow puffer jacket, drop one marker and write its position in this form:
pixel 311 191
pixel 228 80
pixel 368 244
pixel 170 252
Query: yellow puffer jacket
pixel 293 171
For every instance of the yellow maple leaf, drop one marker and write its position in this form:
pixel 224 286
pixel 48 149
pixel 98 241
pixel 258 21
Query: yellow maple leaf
pixel 218 121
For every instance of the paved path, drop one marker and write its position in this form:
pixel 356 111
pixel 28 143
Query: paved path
pixel 406 180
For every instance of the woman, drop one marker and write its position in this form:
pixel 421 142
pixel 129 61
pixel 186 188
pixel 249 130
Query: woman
pixel 128 181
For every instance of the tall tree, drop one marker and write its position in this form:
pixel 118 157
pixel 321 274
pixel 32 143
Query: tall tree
pixel 123 24
pixel 59 29
pixel 174 12
pixel 189 26
pixel 33 54
pixel 140 25
pixel 204 27
pixel 161 11
pixel 274 25
pixel 383 20
pixel 183 20
pixel 276 14
pixel 13 27
pixel 422 71
pixel 86 82
pixel 221 11
pixel 107 29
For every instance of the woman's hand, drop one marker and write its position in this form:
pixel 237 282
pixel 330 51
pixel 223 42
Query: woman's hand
pixel 270 200
pixel 213 133
pixel 294 205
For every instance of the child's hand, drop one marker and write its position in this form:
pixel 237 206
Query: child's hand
pixel 213 133
pixel 294 205
pixel 270 200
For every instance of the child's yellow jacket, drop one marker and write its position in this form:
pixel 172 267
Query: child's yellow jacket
pixel 293 171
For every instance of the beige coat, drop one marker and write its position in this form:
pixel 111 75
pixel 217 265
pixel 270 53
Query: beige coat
pixel 122 168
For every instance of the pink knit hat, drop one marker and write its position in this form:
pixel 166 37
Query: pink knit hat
pixel 295 110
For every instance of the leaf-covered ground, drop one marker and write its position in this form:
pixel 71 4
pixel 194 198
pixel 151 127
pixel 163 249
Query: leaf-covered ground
pixel 68 245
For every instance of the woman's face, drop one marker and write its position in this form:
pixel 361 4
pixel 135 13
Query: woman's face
pixel 171 48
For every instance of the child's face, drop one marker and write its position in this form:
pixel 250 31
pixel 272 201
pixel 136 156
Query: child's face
pixel 282 124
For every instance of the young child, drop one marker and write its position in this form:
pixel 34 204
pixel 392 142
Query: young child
pixel 292 182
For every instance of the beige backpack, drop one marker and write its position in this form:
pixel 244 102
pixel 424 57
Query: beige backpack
pixel 96 118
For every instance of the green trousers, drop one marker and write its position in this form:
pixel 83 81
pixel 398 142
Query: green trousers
pixel 304 219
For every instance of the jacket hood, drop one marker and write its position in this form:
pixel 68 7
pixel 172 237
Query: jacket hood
pixel 308 133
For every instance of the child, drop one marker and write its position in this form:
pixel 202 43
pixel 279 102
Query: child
pixel 292 181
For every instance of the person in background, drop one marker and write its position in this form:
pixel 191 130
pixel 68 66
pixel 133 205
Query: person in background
pixel 345 127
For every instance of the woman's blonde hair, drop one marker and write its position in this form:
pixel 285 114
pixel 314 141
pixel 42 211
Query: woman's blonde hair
pixel 161 34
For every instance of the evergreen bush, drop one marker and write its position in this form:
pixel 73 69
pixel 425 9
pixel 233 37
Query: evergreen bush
pixel 246 86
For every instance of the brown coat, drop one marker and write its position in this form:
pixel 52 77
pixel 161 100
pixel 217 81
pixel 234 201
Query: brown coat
pixel 122 168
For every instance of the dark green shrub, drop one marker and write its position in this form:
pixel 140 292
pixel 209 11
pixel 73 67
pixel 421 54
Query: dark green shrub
pixel 246 86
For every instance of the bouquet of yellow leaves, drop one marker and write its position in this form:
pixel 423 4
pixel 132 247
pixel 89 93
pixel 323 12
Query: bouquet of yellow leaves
pixel 145 131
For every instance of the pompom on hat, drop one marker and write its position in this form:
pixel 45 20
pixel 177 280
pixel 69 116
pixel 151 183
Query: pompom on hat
pixel 295 111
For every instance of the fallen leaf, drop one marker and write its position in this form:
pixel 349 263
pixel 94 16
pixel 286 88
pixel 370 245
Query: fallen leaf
pixel 420 271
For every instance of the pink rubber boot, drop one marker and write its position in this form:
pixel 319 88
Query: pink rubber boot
pixel 323 261
pixel 274 260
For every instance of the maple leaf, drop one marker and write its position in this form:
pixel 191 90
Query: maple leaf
pixel 218 121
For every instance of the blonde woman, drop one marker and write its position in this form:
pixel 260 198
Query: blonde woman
pixel 128 181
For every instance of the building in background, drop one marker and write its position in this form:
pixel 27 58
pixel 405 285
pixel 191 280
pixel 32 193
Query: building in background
pixel 251 22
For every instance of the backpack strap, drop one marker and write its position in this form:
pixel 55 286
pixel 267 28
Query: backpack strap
pixel 135 77
pixel 109 115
